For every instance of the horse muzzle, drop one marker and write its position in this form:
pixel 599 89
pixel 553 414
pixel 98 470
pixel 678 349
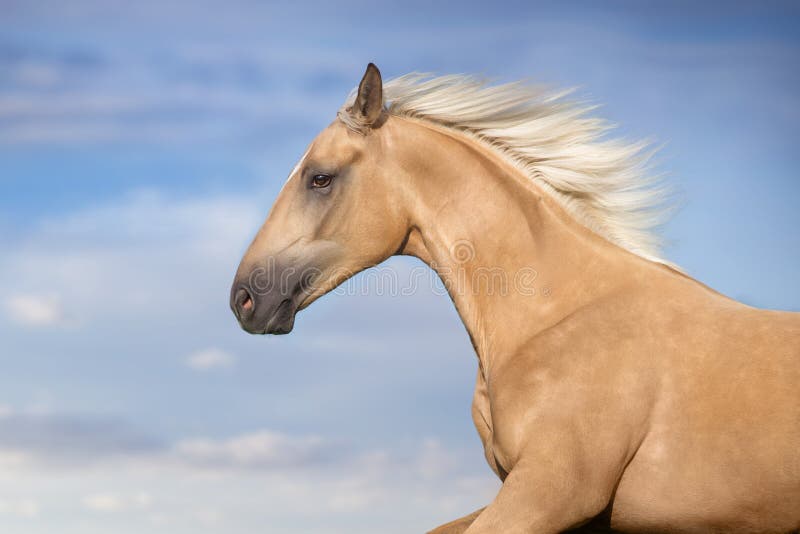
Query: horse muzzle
pixel 264 303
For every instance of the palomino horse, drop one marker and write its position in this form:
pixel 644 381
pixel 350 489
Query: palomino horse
pixel 619 391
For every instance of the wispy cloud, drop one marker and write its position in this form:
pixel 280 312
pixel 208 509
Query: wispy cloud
pixel 264 449
pixel 25 508
pixel 211 358
pixel 241 479
pixel 64 440
pixel 186 95
pixel 68 441
pixel 128 259
pixel 114 502
pixel 35 310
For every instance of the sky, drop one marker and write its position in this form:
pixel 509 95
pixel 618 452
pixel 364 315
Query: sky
pixel 141 145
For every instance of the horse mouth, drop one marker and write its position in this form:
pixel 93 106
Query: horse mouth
pixel 282 321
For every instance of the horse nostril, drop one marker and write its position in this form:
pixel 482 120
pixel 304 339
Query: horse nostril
pixel 244 302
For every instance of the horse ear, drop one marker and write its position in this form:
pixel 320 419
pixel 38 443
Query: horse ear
pixel 368 105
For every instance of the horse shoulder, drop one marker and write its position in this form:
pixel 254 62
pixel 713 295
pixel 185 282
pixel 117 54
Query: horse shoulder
pixel 585 376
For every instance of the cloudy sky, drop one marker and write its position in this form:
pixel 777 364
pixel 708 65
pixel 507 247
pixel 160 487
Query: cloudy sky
pixel 142 143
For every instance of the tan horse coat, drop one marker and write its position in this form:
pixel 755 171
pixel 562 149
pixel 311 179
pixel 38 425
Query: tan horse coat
pixel 614 387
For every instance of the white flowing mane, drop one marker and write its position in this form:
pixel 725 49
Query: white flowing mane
pixel 602 182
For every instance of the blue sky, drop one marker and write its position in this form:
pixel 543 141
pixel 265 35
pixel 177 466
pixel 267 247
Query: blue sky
pixel 142 144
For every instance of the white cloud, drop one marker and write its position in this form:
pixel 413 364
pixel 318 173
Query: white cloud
pixel 112 502
pixel 314 484
pixel 212 358
pixel 35 310
pixel 258 450
pixel 142 499
pixel 5 410
pixel 103 502
pixel 434 460
pixel 26 508
pixel 124 262
pixel 13 459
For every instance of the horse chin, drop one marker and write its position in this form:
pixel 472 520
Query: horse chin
pixel 282 321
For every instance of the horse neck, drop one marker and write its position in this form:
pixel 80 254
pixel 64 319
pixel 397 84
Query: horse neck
pixel 513 260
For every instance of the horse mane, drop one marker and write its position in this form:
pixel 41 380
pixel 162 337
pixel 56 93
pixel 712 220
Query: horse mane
pixel 604 183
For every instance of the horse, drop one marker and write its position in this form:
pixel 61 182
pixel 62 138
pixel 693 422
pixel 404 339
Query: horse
pixel 613 389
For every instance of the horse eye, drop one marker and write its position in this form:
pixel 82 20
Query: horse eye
pixel 321 181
